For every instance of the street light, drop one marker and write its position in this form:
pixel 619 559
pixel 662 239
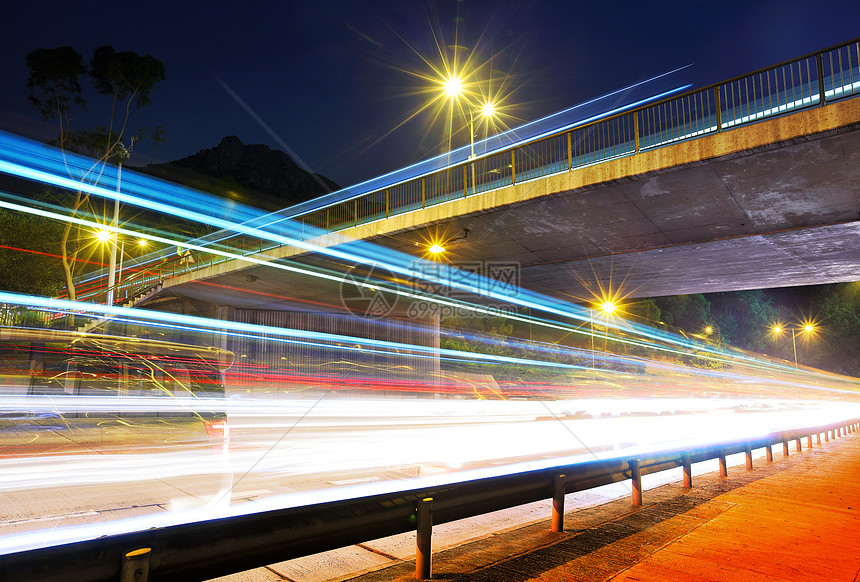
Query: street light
pixel 453 87
pixel 123 154
pixel 806 328
pixel 608 307
pixel 434 246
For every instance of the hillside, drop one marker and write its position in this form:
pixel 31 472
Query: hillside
pixel 252 174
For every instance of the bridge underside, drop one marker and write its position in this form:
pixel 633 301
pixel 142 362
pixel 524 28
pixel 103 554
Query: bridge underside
pixel 772 204
pixel 782 215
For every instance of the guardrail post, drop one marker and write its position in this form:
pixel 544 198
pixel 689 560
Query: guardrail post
pixel 769 452
pixel 472 167
pixel 513 167
pixel 809 441
pixel 423 194
pixel 784 448
pixel 558 503
pixel 569 153
pixel 718 109
pixel 724 470
pixel 636 479
pixel 748 452
pixel 797 445
pixel 423 540
pixel 819 65
pixel 636 131
pixel 387 205
pixel 135 566
pixel 687 464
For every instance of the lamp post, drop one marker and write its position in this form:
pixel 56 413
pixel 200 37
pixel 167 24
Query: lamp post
pixel 807 328
pixel 608 308
pixel 454 88
pixel 123 155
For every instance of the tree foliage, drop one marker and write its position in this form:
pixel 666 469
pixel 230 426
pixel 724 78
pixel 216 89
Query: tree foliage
pixel 27 247
pixel 56 91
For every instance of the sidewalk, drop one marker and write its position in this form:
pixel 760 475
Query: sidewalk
pixel 797 518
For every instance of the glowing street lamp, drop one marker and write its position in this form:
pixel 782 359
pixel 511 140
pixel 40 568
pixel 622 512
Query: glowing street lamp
pixel 807 328
pixel 436 249
pixel 453 87
pixel 103 235
pixel 608 307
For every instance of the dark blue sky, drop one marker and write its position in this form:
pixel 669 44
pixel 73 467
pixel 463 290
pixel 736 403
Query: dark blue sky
pixel 327 77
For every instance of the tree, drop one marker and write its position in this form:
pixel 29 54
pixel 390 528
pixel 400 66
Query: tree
pixel 745 318
pixel 690 313
pixel 55 89
pixel 27 254
pixel 837 345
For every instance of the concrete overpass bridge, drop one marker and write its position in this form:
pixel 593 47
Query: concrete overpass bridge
pixel 753 182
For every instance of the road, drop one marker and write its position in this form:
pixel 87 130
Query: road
pixel 285 452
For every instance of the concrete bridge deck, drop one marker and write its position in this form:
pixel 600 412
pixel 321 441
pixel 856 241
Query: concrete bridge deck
pixel 797 518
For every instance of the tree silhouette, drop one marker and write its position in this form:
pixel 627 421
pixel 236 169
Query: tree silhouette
pixel 56 91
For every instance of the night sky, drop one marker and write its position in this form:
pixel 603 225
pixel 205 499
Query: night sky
pixel 331 78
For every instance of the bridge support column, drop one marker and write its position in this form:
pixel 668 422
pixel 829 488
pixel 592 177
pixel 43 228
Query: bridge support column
pixel 748 452
pixel 724 470
pixel 797 445
pixel 769 452
pixel 636 480
pixel 424 539
pixel 809 442
pixel 784 448
pixel 826 436
pixel 818 438
pixel 558 503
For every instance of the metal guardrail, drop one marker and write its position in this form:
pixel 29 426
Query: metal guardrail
pixel 812 80
pixel 204 550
